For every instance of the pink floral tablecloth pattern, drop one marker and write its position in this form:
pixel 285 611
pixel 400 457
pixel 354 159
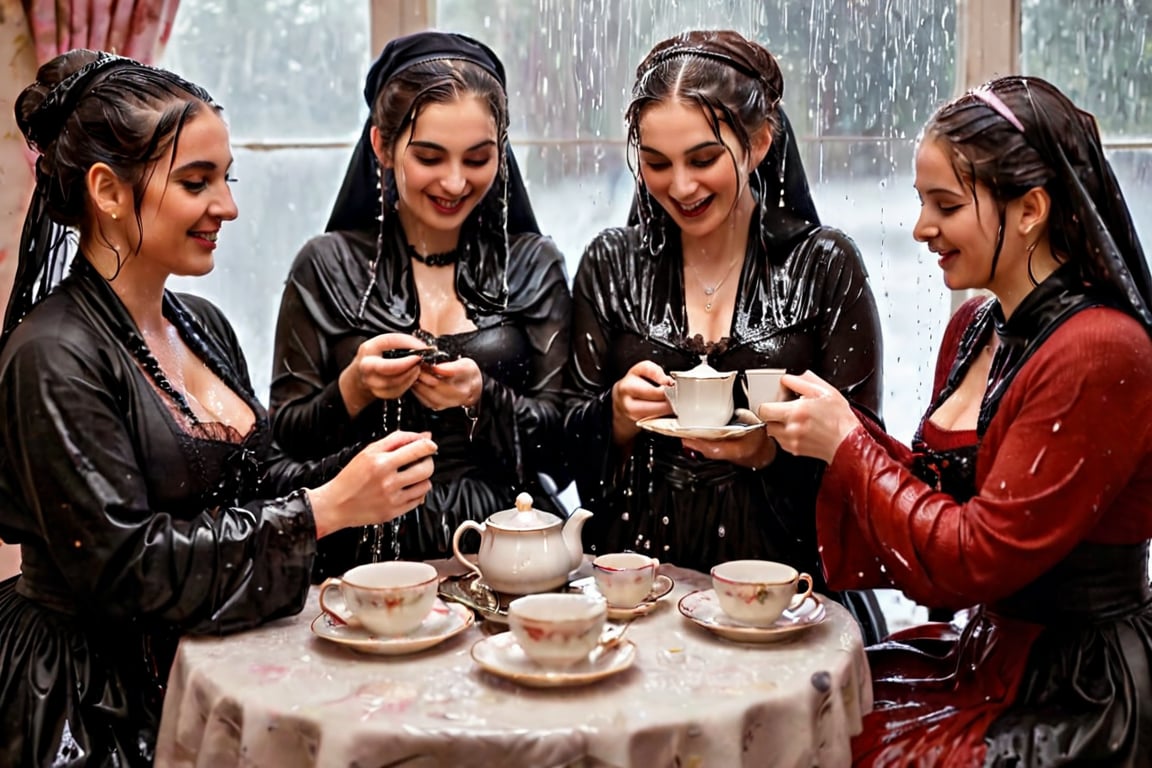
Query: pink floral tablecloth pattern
pixel 279 696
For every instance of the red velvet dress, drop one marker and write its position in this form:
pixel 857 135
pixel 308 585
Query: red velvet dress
pixel 1050 543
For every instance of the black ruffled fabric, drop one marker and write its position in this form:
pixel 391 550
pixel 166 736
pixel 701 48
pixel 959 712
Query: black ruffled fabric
pixel 521 352
pixel 132 530
pixel 803 303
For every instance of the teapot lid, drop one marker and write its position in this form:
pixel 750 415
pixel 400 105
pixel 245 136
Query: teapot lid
pixel 524 517
pixel 703 371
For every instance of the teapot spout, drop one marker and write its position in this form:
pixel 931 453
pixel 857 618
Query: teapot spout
pixel 572 536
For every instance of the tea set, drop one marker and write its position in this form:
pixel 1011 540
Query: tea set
pixel 703 402
pixel 557 628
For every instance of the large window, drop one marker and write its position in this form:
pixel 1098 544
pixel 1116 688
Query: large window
pixel 861 77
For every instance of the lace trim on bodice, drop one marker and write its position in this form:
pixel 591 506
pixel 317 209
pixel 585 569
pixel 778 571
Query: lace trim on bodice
pixel 698 346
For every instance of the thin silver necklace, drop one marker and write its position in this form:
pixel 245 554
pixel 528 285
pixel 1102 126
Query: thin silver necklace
pixel 710 290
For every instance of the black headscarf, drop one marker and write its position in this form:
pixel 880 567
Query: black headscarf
pixel 480 278
pixel 1069 143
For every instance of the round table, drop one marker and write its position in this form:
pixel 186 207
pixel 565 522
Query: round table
pixel 280 696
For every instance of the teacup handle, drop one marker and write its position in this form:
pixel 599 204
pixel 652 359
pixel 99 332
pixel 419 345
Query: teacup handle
pixel 800 597
pixel 344 616
pixel 467 525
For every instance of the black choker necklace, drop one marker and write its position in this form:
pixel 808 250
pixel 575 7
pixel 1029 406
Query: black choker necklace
pixel 445 259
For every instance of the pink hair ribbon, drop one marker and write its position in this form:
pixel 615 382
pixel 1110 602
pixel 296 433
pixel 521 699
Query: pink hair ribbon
pixel 985 94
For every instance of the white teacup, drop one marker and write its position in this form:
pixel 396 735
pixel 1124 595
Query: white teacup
pixel 390 598
pixel 624 578
pixel 757 592
pixel 557 630
pixel 762 385
pixel 702 400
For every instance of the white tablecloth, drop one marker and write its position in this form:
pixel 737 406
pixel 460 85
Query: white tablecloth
pixel 280 697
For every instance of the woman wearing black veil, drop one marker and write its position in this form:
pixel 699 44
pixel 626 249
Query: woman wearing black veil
pixel 728 263
pixel 1028 489
pixel 431 244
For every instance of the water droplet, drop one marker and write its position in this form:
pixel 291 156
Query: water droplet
pixel 1056 427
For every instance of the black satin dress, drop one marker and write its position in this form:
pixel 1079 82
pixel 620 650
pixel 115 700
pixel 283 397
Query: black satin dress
pixel 134 527
pixel 803 303
pixel 331 305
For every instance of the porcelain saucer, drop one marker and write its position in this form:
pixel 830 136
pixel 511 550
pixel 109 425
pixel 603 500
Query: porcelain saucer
pixel 661 586
pixel 444 621
pixel 703 608
pixel 669 426
pixel 503 657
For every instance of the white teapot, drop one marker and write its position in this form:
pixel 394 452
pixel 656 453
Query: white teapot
pixel 525 550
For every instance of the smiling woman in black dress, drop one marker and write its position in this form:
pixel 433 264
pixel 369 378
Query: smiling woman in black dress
pixel 137 471
pixel 432 241
pixel 728 263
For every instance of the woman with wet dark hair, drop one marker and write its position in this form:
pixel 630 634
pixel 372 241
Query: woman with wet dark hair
pixel 727 263
pixel 1028 488
pixel 432 247
pixel 137 471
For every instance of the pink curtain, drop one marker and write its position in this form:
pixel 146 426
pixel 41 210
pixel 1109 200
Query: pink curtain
pixel 137 29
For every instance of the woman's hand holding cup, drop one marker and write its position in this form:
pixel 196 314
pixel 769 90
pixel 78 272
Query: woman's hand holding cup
pixel 814 424
pixel 639 395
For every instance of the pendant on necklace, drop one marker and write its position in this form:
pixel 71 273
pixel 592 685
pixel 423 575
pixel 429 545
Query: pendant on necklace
pixel 708 307
pixel 709 291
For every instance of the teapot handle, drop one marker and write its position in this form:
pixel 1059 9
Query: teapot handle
pixel 465 526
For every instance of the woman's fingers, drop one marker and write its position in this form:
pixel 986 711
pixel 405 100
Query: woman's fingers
pixel 807 384
pixel 410 454
pixel 378 344
pixel 394 440
pixel 651 373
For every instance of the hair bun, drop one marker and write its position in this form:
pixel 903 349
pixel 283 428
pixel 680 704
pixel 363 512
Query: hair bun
pixel 43 107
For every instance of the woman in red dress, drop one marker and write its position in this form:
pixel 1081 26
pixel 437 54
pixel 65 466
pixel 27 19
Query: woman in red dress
pixel 1028 488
